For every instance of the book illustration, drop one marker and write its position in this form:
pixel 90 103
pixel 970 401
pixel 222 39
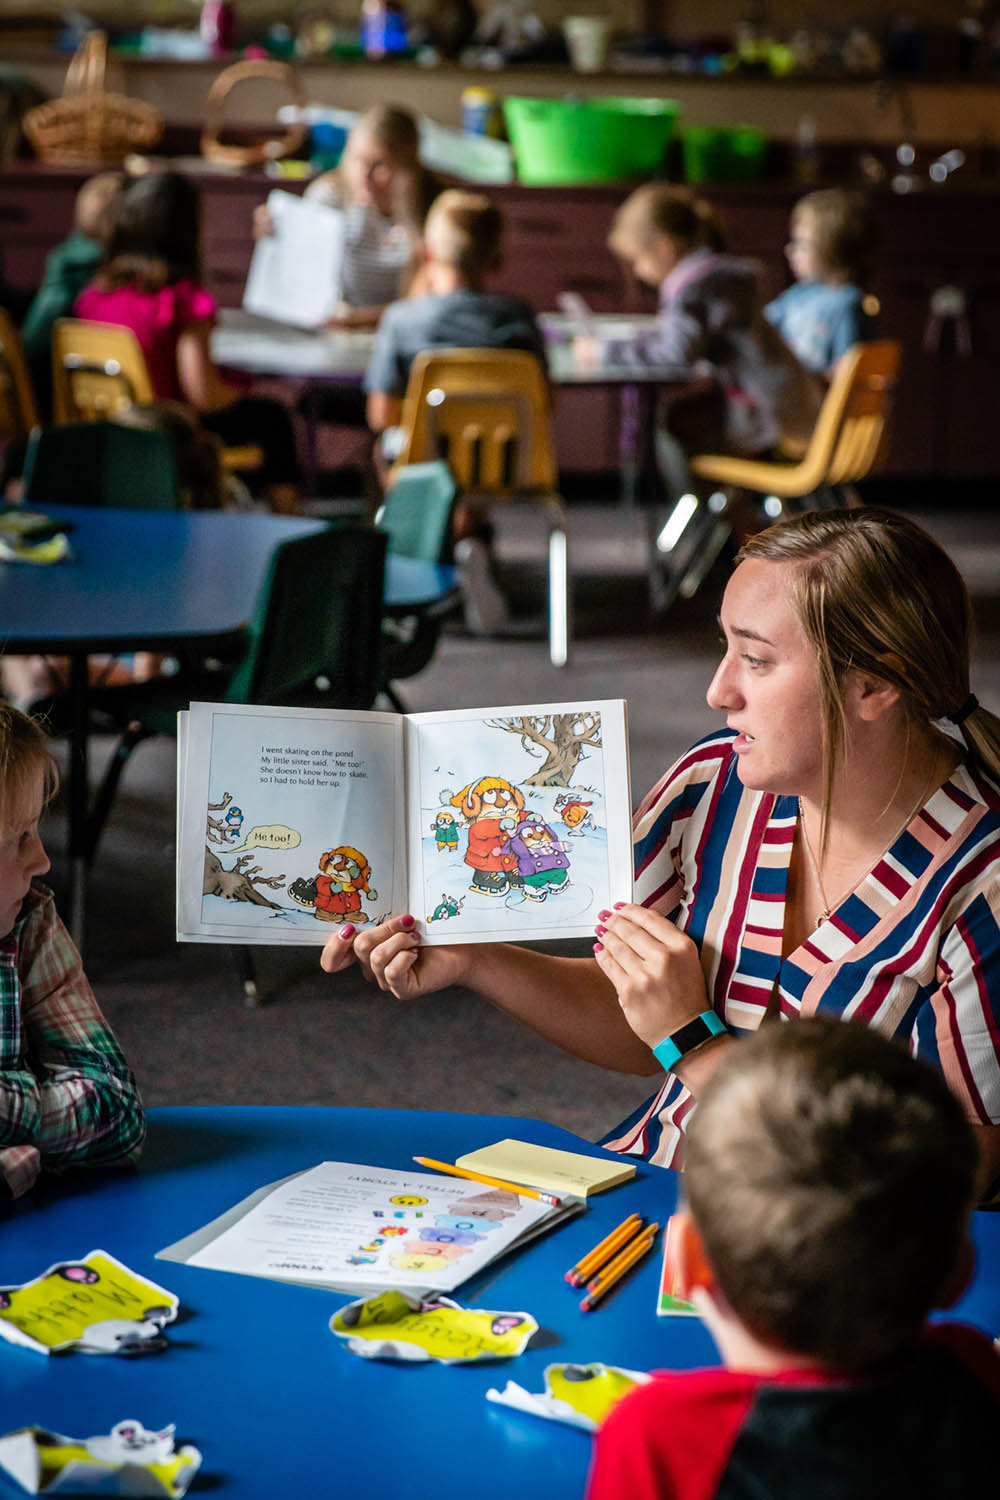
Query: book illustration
pixel 96 1305
pixel 130 1460
pixel 668 1301
pixel 359 1229
pixel 482 824
pixel 394 1325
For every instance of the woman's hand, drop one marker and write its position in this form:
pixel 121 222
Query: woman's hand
pixel 588 352
pixel 392 957
pixel 655 969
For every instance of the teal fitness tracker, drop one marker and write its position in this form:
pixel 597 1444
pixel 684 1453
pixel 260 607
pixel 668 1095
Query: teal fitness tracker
pixel 702 1029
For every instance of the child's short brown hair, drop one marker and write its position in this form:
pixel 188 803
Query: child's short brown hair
pixel 465 231
pixel 24 752
pixel 841 230
pixel 830 1176
pixel 659 208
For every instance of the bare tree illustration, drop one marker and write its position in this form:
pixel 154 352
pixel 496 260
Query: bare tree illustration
pixel 561 738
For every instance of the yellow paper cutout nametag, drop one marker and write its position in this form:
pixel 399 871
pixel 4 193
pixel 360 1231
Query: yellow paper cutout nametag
pixel 130 1460
pixel 95 1304
pixel 394 1325
pixel 579 1395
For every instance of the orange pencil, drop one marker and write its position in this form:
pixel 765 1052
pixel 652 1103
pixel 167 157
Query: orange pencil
pixel 619 1267
pixel 609 1246
pixel 496 1182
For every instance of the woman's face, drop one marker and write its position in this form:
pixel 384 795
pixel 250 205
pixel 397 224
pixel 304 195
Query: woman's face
pixel 767 684
pixel 369 171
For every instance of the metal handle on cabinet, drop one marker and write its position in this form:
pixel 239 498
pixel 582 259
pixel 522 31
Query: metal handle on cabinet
pixel 948 303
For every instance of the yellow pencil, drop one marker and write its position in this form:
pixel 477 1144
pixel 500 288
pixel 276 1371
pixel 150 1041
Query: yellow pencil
pixel 619 1267
pixel 608 1247
pixel 495 1182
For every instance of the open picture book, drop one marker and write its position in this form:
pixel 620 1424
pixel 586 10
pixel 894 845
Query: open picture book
pixel 491 824
pixel 295 270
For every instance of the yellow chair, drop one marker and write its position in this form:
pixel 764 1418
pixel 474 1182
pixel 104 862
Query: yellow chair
pixel 848 443
pixel 18 411
pixel 486 413
pixel 99 369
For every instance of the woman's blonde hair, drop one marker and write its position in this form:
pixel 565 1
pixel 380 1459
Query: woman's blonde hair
pixel 397 131
pixel 657 209
pixel 875 593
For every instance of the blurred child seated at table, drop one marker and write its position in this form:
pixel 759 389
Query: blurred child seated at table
pixel 67 1096
pixel 740 389
pixel 462 246
pixel 150 281
pixel 68 269
pixel 825 312
pixel 829 1181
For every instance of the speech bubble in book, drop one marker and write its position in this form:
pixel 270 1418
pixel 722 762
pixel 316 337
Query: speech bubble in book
pixel 394 1325
pixel 130 1460
pixel 269 836
pixel 579 1395
pixel 95 1305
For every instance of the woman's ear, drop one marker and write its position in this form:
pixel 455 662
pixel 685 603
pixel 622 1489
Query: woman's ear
pixel 685 1256
pixel 870 697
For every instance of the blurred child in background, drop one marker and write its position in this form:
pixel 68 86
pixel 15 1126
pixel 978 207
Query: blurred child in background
pixel 68 269
pixel 825 312
pixel 150 281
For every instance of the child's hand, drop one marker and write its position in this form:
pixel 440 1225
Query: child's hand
pixel 263 222
pixel 588 353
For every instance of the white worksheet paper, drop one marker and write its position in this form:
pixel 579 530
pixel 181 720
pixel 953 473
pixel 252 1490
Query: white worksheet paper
pixel 294 274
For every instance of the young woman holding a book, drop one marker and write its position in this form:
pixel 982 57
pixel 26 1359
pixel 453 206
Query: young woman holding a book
pixel 832 849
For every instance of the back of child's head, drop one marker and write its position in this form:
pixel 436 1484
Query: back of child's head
pixel 830 1176
pixel 465 231
pixel 197 453
pixel 659 208
pixel 841 231
pixel 96 205
pixel 24 756
pixel 155 239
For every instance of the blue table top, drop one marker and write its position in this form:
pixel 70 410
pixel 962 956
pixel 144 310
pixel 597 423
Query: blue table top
pixel 253 1376
pixel 145 578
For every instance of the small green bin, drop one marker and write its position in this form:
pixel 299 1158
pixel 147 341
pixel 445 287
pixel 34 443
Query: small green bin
pixel 723 153
pixel 604 139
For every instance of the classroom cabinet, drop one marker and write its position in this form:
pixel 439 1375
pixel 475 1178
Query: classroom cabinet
pixel 936 274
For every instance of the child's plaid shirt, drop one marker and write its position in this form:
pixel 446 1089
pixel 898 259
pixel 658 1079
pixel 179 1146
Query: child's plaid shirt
pixel 66 1092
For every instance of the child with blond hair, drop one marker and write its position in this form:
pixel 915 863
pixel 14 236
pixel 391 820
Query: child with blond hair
pixel 829 1181
pixel 826 311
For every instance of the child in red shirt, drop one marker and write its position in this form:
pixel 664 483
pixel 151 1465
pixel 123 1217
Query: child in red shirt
pixel 829 1181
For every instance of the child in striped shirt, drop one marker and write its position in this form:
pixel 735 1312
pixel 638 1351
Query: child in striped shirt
pixel 67 1095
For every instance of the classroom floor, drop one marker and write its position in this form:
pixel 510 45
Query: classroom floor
pixel 178 1009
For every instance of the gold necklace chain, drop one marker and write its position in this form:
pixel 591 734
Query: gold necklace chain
pixel 828 906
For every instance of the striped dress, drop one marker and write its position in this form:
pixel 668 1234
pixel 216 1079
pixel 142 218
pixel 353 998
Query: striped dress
pixel 378 250
pixel 913 950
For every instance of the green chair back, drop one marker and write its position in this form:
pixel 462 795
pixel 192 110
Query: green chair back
pixel 315 639
pixel 416 514
pixel 101 463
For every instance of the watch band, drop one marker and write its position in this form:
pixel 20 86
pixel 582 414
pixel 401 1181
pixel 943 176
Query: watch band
pixel 670 1051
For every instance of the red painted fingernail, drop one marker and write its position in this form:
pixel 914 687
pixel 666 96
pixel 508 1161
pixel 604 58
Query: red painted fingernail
pixel 600 930
pixel 620 904
pixel 347 931
pixel 407 922
pixel 602 916
pixel 598 947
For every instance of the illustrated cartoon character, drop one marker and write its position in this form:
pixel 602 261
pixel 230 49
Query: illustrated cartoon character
pixel 574 812
pixel 345 874
pixel 491 807
pixel 445 831
pixel 541 858
pixel 234 822
pixel 303 891
pixel 448 906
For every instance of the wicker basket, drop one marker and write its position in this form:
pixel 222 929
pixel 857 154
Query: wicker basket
pixel 87 124
pixel 261 151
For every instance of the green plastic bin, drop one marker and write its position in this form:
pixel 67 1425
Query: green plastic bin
pixel 603 139
pixel 723 153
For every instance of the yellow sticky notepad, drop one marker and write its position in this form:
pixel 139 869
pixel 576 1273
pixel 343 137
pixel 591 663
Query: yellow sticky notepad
pixel 546 1168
